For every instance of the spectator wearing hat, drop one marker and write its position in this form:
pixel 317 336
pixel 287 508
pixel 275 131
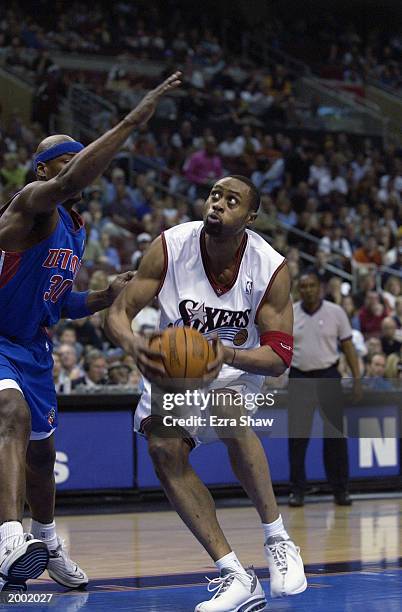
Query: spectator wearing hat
pixel 143 242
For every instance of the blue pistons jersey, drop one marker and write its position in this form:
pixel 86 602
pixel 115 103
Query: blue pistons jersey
pixel 35 283
pixel 34 286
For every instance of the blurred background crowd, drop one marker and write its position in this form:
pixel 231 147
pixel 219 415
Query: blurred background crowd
pixel 331 200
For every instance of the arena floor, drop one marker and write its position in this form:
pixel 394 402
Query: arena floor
pixel 150 562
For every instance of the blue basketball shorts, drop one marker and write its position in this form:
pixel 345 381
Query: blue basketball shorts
pixel 28 368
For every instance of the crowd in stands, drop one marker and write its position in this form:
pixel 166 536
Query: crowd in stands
pixel 340 46
pixel 331 201
pixel 336 46
pixel 220 86
pixel 347 198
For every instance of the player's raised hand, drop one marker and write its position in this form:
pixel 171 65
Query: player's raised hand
pixel 146 108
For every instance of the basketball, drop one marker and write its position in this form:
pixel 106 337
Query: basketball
pixel 187 352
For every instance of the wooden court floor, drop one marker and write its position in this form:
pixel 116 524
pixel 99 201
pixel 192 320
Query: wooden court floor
pixel 157 543
pixel 148 561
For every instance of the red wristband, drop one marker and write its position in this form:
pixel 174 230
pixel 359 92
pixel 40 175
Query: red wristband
pixel 280 343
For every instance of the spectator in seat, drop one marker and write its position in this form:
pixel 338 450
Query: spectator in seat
pixel 369 253
pixel 349 306
pixel 389 342
pixel 229 147
pixel 203 168
pixel 398 263
pixel 398 313
pixel 12 174
pixel 266 219
pixel 318 171
pixel 269 174
pixel 184 137
pixel 89 334
pixel 333 182
pixel 391 257
pixel 375 370
pixel 70 369
pixel 95 371
pixel 372 314
pixel 321 266
pixel 392 291
pixel 110 254
pixel 373 346
pixel 59 384
pixel 334 290
pixel 143 242
pixel 118 373
pixel 118 188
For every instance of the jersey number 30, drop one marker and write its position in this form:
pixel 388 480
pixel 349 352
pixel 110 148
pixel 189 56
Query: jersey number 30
pixel 58 286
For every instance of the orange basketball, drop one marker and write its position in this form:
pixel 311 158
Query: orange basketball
pixel 187 353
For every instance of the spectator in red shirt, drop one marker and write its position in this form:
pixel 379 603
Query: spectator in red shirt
pixel 203 168
pixel 372 314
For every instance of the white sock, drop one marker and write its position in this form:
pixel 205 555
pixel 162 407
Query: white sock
pixel 275 529
pixel 9 531
pixel 46 533
pixel 230 561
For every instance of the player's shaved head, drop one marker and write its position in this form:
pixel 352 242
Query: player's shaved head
pixel 50 141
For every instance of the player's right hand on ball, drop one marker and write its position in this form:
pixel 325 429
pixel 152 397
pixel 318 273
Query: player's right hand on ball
pixel 149 361
pixel 214 367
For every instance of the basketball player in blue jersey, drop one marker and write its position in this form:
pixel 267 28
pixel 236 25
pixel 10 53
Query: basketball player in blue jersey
pixel 42 242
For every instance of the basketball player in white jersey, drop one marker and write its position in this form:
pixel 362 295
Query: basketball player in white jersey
pixel 218 277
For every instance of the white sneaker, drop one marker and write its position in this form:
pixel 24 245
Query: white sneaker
pixel 286 568
pixel 64 570
pixel 235 592
pixel 23 558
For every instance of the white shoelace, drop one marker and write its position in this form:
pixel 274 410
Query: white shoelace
pixel 279 551
pixel 222 583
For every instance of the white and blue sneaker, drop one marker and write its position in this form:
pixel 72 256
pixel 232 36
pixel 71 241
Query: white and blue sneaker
pixel 235 592
pixel 64 570
pixel 21 559
pixel 286 567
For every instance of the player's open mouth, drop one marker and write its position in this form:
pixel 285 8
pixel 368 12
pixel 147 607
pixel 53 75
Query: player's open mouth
pixel 214 218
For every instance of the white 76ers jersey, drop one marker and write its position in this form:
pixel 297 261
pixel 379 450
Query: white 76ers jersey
pixel 189 296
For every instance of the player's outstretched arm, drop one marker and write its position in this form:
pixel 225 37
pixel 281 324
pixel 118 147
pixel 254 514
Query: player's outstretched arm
pixel 88 164
pixel 139 292
pixel 275 324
